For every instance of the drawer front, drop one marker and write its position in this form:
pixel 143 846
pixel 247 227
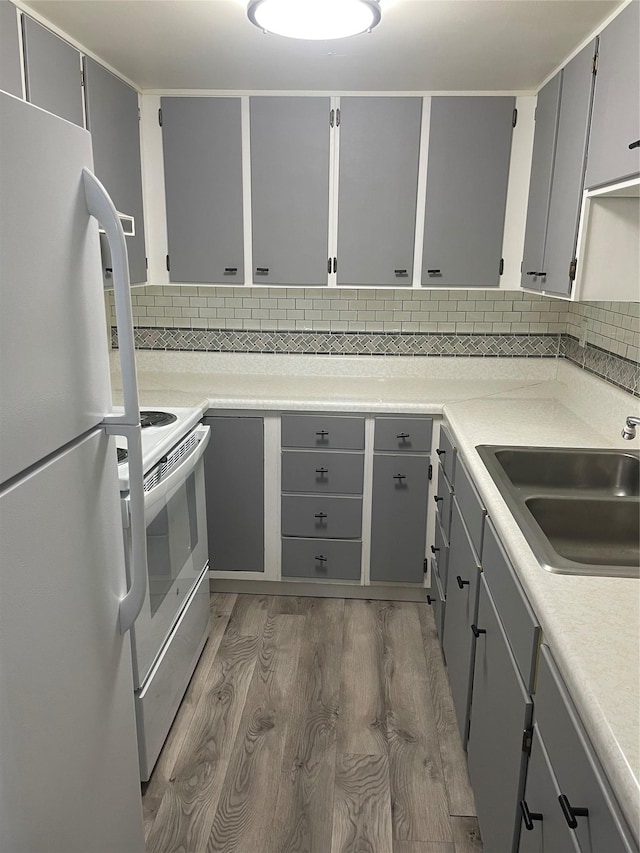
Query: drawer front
pixel 471 506
pixel 321 517
pixel 323 472
pixel 441 553
pixel 323 431
pixel 447 453
pixel 444 502
pixel 580 778
pixel 308 558
pixel 409 434
pixel 519 620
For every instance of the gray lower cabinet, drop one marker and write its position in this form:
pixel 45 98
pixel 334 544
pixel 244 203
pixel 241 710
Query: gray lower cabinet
pixel 113 120
pixel 458 642
pixel 10 76
pixel 467 175
pixel 290 190
pixel 202 149
pixel 399 518
pixel 328 559
pixel 378 186
pixel 501 712
pixel 234 482
pixel 614 153
pixel 53 72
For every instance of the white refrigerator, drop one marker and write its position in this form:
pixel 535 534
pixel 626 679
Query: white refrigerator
pixel 68 757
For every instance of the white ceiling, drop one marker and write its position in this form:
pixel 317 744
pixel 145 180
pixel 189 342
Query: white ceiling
pixel 432 45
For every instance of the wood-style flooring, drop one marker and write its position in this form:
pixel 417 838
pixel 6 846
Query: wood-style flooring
pixel 314 725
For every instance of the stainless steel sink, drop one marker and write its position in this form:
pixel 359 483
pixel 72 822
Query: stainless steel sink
pixel 578 508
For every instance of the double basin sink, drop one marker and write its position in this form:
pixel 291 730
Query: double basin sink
pixel 579 509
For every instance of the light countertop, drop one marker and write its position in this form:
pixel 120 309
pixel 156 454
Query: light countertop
pixel 592 624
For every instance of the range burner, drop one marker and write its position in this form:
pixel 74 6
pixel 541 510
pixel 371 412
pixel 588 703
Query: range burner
pixel 157 419
pixel 122 454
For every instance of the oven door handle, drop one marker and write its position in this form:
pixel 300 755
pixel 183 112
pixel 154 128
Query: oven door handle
pixel 181 472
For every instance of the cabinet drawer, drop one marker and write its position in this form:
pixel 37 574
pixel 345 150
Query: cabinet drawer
pixel 444 502
pixel 519 620
pixel 576 768
pixel 308 558
pixel 321 517
pixel 471 506
pixel 314 471
pixel 323 431
pixel 440 550
pixel 447 453
pixel 410 434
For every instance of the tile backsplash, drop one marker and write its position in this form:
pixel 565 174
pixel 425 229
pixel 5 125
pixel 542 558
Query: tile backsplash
pixel 601 337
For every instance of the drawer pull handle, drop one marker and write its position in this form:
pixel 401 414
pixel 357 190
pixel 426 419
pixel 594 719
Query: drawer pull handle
pixel 462 583
pixel 230 270
pixel 477 631
pixel 441 452
pixel 430 600
pixel 400 273
pixel 399 476
pixel 434 272
pixel 322 470
pixel 321 559
pixel 570 814
pixel 403 435
pixel 262 270
pixel 434 550
pixel 323 432
pixel 527 816
pixel 635 144
pixel 320 515
pixel 438 498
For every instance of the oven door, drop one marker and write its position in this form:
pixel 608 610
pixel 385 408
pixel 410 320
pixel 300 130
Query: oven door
pixel 177 552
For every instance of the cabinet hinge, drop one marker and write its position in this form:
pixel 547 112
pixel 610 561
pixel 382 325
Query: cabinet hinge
pixel 527 738
pixel 160 116
pixel 425 565
pixel 139 114
pixel 501 270
pixel 572 269
pixel 338 117
pixel 332 115
pixel 168 266
pixel 594 67
pixel 514 117
pixel 431 472
pixel 82 76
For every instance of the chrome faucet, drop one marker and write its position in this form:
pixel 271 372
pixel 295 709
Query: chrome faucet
pixel 629 429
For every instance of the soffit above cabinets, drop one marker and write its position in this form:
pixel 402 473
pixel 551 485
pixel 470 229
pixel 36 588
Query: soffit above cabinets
pixel 420 45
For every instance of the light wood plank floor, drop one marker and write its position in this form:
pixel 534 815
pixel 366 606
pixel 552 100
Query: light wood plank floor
pixel 314 725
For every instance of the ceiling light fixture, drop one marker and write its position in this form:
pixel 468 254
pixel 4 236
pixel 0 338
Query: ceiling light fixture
pixel 314 19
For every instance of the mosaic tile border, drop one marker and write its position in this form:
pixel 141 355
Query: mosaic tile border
pixel 616 369
pixel 348 343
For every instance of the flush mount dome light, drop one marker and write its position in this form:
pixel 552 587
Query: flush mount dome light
pixel 314 19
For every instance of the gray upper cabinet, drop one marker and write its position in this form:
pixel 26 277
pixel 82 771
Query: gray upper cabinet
pixel 112 118
pixel 53 72
pixel 467 175
pixel 615 124
pixel 10 77
pixel 544 146
pixel 290 190
pixel 378 181
pixel 202 144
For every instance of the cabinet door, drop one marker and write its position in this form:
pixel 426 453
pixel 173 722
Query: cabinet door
pixel 501 711
pixel 10 78
pixel 568 171
pixel 112 119
pixel 202 144
pixel 615 123
pixel 378 185
pixel 290 190
pixel 458 643
pixel 544 146
pixel 53 72
pixel 546 831
pixel 399 518
pixel 234 482
pixel 467 174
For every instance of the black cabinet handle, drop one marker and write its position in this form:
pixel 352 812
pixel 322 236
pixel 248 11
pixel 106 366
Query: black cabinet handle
pixel 403 435
pixel 534 273
pixel 230 270
pixel 430 600
pixel 441 452
pixel 437 498
pixel 527 816
pixel 400 273
pixel 320 515
pixel 323 432
pixel 399 476
pixel 434 272
pixel 321 559
pixel 635 144
pixel 262 270
pixel 570 814
pixel 434 550
pixel 322 470
pixel 462 583
pixel 477 631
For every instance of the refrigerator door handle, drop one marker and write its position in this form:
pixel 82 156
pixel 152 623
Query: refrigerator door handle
pixel 100 205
